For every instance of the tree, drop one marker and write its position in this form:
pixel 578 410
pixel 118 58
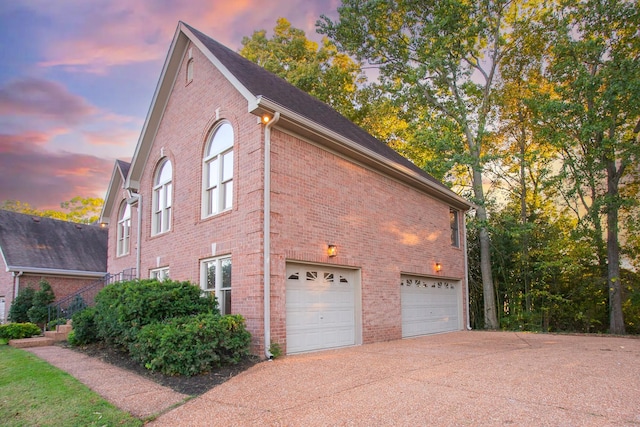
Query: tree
pixel 595 71
pixel 39 311
pixel 321 71
pixel 445 55
pixel 84 210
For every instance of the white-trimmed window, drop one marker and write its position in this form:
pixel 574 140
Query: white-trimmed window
pixel 124 229
pixel 455 230
pixel 162 189
pixel 217 171
pixel 215 276
pixel 161 273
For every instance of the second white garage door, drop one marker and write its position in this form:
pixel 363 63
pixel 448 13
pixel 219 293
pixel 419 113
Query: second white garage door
pixel 321 307
pixel 429 306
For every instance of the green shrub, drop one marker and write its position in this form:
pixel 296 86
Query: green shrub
pixel 192 345
pixel 39 311
pixel 122 309
pixel 84 328
pixel 21 305
pixel 13 331
pixel 51 326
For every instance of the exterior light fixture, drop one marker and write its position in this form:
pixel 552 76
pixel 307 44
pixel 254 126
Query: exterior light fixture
pixel 332 250
pixel 265 119
pixel 438 267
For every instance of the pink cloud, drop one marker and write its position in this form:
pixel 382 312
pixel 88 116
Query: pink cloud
pixel 119 137
pixel 125 32
pixel 44 179
pixel 43 99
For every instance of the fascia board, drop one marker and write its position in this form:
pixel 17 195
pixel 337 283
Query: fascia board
pixel 55 271
pixel 115 185
pixel 261 104
pixel 216 62
pixel 157 108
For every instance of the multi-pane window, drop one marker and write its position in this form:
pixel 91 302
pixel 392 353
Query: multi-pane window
pixel 217 172
pixel 455 232
pixel 216 278
pixel 162 189
pixel 124 229
pixel 161 273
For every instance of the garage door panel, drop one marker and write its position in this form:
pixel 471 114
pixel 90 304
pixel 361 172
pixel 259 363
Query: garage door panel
pixel 320 308
pixel 429 306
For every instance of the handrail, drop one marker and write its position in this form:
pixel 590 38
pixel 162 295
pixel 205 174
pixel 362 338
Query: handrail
pixel 85 297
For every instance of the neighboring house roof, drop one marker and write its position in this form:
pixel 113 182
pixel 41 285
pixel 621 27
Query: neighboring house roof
pixel 118 178
pixel 33 244
pixel 300 113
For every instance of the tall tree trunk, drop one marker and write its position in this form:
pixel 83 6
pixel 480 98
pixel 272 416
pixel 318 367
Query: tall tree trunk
pixel 489 296
pixel 616 320
pixel 523 217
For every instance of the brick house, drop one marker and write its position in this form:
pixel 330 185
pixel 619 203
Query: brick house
pixel 360 244
pixel 69 256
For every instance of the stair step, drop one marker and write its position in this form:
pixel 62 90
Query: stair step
pixel 31 342
pixel 57 335
pixel 64 328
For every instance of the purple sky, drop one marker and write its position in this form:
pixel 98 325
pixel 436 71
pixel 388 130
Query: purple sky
pixel 77 78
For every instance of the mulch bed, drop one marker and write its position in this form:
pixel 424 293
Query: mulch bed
pixel 192 386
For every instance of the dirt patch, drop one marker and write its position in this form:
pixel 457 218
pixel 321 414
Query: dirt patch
pixel 192 386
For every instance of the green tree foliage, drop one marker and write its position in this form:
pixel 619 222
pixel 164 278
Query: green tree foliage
pixel 84 210
pixel 21 304
pixel 444 55
pixel 594 67
pixel 39 311
pixel 321 71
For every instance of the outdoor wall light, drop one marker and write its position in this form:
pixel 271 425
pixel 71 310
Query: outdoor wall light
pixel 438 267
pixel 266 118
pixel 332 250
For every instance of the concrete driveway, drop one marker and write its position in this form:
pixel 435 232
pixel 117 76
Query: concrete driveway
pixel 455 379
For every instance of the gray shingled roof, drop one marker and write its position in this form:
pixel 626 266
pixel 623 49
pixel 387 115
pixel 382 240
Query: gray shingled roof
pixel 124 167
pixel 35 242
pixel 261 82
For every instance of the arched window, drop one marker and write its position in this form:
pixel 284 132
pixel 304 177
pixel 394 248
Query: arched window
pixel 124 229
pixel 162 196
pixel 217 171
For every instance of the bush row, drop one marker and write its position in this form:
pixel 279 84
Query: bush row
pixel 168 326
pixel 14 331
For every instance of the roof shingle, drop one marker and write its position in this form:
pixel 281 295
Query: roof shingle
pixel 44 243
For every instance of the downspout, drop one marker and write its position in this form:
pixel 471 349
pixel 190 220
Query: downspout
pixel 466 268
pixel 138 202
pixel 16 284
pixel 267 234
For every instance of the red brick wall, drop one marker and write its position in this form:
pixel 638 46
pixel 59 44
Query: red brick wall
pixel 62 286
pixel 188 119
pixel 381 226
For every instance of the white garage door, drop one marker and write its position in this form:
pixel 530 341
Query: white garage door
pixel 320 308
pixel 429 306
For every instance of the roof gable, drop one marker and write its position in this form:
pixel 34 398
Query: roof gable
pixel 39 244
pixel 118 178
pixel 302 113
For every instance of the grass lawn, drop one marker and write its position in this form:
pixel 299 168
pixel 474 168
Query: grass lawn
pixel 34 393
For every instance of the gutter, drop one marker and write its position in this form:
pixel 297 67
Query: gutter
pixel 265 104
pixel 267 234
pixel 57 271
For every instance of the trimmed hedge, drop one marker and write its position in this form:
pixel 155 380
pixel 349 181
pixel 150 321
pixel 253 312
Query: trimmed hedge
pixel 14 331
pixel 84 328
pixel 122 309
pixel 192 345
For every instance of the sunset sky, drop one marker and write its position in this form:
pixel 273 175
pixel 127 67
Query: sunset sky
pixel 77 78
